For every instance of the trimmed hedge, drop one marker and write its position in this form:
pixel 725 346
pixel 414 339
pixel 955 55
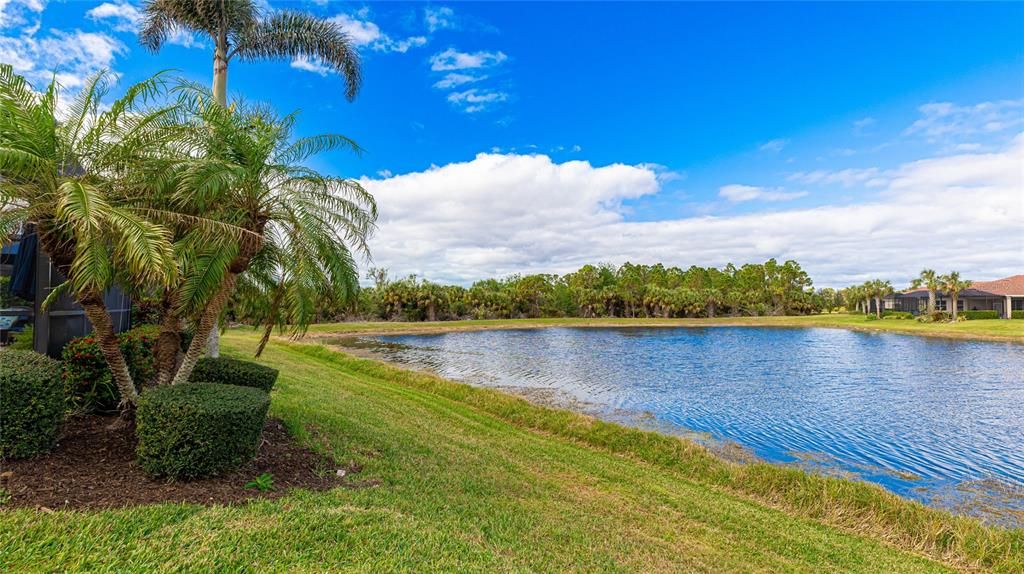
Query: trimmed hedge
pixel 228 371
pixel 198 429
pixel 1017 314
pixel 897 315
pixel 32 403
pixel 969 315
pixel 87 378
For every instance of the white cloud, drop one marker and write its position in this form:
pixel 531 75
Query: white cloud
pixel 363 32
pixel 737 193
pixel 775 145
pixel 945 120
pixel 871 177
pixel 304 63
pixel 454 80
pixel 452 59
pixel 73 56
pixel 439 18
pixel 17 12
pixel 475 100
pixel 502 214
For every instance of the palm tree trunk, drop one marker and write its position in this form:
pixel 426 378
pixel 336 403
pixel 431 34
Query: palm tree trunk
pixel 931 301
pixel 220 71
pixel 272 315
pixel 953 300
pixel 168 345
pixel 207 322
pixel 110 347
pixel 265 338
pixel 878 307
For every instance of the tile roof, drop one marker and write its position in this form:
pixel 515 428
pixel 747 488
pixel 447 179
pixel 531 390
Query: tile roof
pixel 1013 285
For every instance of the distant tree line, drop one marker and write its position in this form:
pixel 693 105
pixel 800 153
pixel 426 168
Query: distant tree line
pixel 769 288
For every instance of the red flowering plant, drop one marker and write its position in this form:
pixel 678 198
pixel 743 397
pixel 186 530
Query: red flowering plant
pixel 85 374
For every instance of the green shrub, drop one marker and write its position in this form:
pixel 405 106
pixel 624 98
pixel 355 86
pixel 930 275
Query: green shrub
pixel 228 371
pixel 198 429
pixel 1017 314
pixel 31 403
pixel 897 315
pixel 86 377
pixel 974 315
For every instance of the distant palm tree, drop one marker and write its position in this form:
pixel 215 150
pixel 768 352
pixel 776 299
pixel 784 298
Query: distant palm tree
pixel 238 29
pixel 953 286
pixel 878 289
pixel 930 280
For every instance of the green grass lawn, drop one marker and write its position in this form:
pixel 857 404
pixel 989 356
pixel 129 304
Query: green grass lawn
pixel 985 329
pixel 473 480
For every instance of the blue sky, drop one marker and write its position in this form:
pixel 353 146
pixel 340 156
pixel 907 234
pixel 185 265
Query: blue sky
pixel 688 133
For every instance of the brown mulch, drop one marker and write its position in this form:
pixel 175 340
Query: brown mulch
pixel 94 466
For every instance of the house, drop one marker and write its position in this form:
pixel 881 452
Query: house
pixel 1002 296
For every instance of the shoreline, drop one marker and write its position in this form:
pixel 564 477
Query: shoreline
pixel 889 326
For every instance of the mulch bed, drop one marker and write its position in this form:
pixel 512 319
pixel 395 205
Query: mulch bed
pixel 94 466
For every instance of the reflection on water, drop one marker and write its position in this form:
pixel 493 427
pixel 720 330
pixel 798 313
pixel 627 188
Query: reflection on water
pixel 938 420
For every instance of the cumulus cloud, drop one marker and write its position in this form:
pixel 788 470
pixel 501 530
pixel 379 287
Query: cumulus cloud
pixel 452 59
pixel 737 193
pixel 363 32
pixel 502 214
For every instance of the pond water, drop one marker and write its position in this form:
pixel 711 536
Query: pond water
pixel 941 421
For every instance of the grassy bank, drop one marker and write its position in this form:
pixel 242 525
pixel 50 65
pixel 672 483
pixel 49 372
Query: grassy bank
pixel 984 330
pixel 462 479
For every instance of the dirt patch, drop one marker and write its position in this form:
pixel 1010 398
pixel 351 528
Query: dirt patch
pixel 94 467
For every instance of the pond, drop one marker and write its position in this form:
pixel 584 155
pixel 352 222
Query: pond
pixel 940 421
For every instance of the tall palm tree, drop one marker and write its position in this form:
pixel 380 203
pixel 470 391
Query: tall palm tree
pixel 238 30
pixel 953 286
pixel 252 176
pixel 930 280
pixel 66 173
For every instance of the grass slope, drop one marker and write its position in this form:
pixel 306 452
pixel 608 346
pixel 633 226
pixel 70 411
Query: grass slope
pixel 985 329
pixel 472 480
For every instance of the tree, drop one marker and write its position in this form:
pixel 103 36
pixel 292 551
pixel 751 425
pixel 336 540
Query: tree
pixel 72 178
pixel 953 286
pixel 878 289
pixel 250 174
pixel 237 29
pixel 931 281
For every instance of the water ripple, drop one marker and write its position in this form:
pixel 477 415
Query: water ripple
pixel 919 416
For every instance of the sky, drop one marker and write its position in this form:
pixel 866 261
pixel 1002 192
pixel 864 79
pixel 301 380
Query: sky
pixel 863 140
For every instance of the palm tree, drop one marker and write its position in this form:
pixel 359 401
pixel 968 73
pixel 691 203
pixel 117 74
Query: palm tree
pixel 238 29
pixel 251 176
pixel 953 286
pixel 69 177
pixel 877 290
pixel 930 280
pixel 291 277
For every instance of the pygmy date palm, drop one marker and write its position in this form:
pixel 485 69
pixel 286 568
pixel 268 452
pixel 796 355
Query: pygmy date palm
pixel 65 171
pixel 252 176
